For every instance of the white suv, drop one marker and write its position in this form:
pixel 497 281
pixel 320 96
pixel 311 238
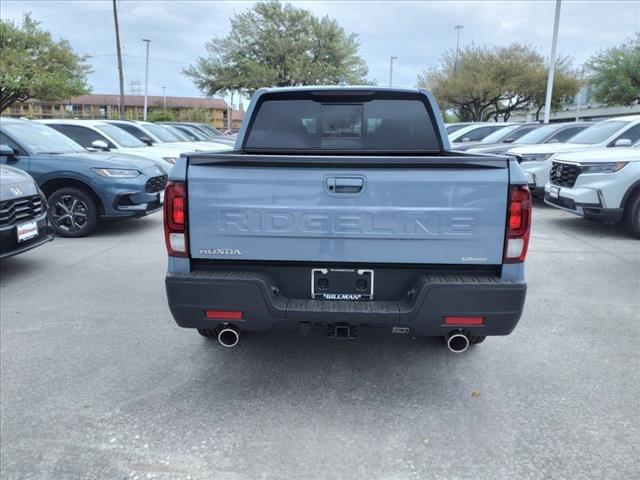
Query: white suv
pixel 601 184
pixel 536 160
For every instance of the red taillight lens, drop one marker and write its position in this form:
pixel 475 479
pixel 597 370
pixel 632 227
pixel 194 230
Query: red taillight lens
pixel 223 315
pixel 464 321
pixel 518 224
pixel 175 219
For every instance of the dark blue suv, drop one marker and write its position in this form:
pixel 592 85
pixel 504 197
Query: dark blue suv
pixel 81 187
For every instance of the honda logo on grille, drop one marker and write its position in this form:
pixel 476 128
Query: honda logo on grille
pixel 16 191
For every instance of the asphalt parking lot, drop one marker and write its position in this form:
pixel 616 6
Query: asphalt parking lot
pixel 97 382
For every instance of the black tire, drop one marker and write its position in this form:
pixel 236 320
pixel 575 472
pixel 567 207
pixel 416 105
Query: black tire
pixel 72 212
pixel 208 332
pixel 632 214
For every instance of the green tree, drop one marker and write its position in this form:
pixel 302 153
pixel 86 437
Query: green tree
pixel 615 74
pixel 495 82
pixel 160 116
pixel 33 65
pixel 278 45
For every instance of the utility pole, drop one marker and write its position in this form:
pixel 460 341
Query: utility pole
pixel 552 64
pixel 164 97
pixel 458 29
pixel 120 74
pixel 146 79
pixel 230 112
pixel 580 92
pixel 391 59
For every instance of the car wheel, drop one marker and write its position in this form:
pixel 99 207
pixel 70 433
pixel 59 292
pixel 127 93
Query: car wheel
pixel 632 214
pixel 72 212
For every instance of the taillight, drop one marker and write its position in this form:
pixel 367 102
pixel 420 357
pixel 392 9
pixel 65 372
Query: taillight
pixel 175 219
pixel 518 224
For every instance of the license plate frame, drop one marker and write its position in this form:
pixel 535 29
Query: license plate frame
pixel 351 284
pixel 26 231
pixel 554 192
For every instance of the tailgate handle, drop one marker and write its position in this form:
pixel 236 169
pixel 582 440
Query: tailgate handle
pixel 345 184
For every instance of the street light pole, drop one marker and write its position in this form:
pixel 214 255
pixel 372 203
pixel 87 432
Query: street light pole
pixel 391 59
pixel 119 52
pixel 552 64
pixel 146 79
pixel 458 30
pixel 164 97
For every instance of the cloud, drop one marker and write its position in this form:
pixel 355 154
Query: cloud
pixel 418 33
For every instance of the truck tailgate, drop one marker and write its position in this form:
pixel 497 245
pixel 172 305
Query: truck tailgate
pixel 430 213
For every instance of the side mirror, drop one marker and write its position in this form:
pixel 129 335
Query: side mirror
pixel 100 145
pixel 466 139
pixel 7 152
pixel 622 142
pixel 147 140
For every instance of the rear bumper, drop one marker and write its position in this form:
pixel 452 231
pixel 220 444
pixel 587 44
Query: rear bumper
pixel 263 306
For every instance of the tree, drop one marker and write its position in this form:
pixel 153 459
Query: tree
pixel 494 82
pixel 33 65
pixel 615 74
pixel 278 45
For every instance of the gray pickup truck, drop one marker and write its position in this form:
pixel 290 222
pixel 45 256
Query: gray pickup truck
pixel 342 208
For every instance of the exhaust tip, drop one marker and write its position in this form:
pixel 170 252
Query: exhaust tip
pixel 457 342
pixel 228 337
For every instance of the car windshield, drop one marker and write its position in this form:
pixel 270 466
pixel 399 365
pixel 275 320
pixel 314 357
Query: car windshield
pixel 161 133
pixel 499 135
pixel 38 138
pixel 120 137
pixel 192 132
pixel 183 137
pixel 599 132
pixel 539 134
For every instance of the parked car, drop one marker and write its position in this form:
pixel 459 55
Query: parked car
pixel 336 213
pixel 506 135
pixel 452 127
pixel 82 188
pixel 475 132
pixel 154 134
pixel 195 134
pixel 599 184
pixel 98 135
pixel 209 131
pixel 536 160
pixel 23 211
pixel 551 133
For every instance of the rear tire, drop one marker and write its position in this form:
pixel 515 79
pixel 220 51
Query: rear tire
pixel 632 214
pixel 72 212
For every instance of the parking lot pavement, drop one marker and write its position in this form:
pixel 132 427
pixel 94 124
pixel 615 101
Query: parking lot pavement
pixel 97 382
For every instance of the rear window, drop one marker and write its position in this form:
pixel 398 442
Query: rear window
pixel 373 125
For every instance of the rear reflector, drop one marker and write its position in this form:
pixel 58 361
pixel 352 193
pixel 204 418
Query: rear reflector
pixel 223 315
pixel 463 321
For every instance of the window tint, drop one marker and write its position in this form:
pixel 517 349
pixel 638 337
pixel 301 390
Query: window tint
pixel 4 140
pixel 378 124
pixel 120 136
pixel 39 138
pixel 632 134
pixel 453 128
pixel 566 134
pixel 193 134
pixel 520 132
pixel 82 135
pixel 131 129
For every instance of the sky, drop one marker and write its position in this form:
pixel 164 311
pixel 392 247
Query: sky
pixel 417 32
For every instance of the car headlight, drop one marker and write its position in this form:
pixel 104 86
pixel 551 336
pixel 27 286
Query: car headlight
pixel 535 157
pixel 171 160
pixel 605 167
pixel 116 172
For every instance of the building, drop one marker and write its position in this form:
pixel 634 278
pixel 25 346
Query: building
pixel 209 110
pixel 583 107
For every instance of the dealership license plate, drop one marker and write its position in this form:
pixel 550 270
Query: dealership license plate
pixel 27 230
pixel 161 196
pixel 341 284
pixel 554 192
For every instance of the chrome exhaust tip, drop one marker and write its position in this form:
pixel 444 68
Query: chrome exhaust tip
pixel 228 336
pixel 457 342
